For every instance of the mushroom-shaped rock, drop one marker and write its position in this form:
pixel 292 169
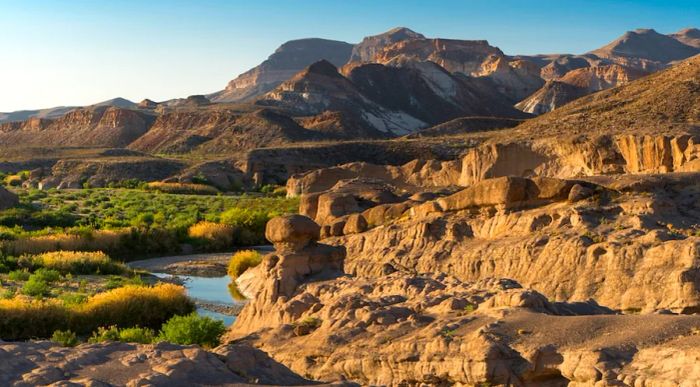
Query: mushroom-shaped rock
pixel 291 232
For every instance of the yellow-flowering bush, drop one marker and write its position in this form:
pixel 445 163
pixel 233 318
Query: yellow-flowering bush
pixel 23 318
pixel 74 262
pixel 99 240
pixel 242 261
pixel 214 236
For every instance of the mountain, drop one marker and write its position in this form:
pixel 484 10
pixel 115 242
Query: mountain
pixel 629 57
pixel 515 79
pixel 391 100
pixel 22 115
pixel 371 46
pixel 287 60
pixel 645 49
pixel 97 126
pixel 463 56
pixel 688 36
pixel 664 101
pixel 220 131
pixel 575 84
pixel 562 64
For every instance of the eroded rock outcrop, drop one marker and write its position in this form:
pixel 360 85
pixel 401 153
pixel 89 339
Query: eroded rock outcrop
pixel 297 259
pixel 163 364
pixel 631 246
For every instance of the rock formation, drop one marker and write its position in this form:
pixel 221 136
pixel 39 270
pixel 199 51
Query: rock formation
pixel 46 363
pixel 399 318
pixel 297 259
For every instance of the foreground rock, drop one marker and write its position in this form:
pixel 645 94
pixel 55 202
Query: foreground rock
pixel 120 364
pixel 402 328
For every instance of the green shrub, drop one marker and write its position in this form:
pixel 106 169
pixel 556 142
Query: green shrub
pixel 46 275
pixel 193 329
pixel 7 294
pixel 65 338
pixel 35 287
pixel 105 334
pixel 242 261
pixel 18 275
pixel 126 335
pixel 71 299
pixel 136 335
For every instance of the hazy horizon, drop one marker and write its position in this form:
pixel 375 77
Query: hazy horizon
pixel 84 52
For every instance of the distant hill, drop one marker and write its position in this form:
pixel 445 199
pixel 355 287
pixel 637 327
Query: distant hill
pixel 662 102
pixel 22 115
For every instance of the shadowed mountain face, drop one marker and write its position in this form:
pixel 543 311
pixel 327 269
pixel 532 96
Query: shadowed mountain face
pixel 391 100
pixel 289 59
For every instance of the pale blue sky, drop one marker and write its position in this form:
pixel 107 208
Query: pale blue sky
pixel 80 52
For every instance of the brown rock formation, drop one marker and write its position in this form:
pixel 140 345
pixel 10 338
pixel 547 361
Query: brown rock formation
pixel 163 364
pixel 297 259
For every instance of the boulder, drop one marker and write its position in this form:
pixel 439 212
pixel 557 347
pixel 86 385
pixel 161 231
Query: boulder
pixel 502 191
pixel 291 232
pixel 579 192
pixel 355 224
pixel 333 205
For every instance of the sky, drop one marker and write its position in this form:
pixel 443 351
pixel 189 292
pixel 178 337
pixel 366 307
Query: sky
pixel 79 52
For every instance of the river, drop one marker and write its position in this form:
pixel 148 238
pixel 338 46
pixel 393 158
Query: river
pixel 204 276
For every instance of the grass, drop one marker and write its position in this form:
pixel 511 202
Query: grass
pixel 242 261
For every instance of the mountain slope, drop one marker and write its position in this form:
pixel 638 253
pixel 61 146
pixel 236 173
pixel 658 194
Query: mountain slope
pixel 575 84
pixel 287 60
pixel 667 100
pixel 99 126
pixel 392 100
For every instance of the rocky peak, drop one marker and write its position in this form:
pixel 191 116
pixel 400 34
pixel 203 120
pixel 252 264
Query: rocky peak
pixel 147 104
pixel 287 60
pixel 365 50
pixel 323 68
pixel 646 44
pixel 688 36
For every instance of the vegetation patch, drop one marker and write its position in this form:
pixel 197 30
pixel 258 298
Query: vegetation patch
pixel 242 261
pixel 23 318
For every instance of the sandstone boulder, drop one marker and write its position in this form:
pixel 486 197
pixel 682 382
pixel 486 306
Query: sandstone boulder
pixel 355 224
pixel 291 232
pixel 502 191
